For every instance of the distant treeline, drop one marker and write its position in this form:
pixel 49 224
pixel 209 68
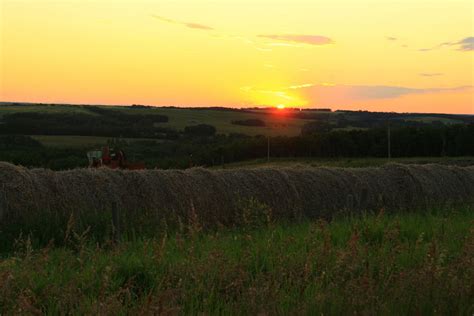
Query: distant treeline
pixel 432 141
pixel 109 123
pixel 203 149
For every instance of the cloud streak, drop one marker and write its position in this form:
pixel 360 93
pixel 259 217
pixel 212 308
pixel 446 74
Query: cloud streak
pixel 305 39
pixel 465 45
pixel 190 25
pixel 431 74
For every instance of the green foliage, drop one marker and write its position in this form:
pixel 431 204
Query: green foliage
pixel 415 263
pixel 453 140
pixel 26 151
pixel 253 214
pixel 8 142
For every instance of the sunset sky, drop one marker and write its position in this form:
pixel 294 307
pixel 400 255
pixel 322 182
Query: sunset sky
pixel 403 56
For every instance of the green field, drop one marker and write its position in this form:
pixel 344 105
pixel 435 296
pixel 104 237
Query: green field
pixel 430 119
pixel 411 263
pixel 81 141
pixel 276 125
pixel 347 162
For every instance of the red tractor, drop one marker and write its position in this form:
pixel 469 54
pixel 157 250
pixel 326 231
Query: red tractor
pixel 114 159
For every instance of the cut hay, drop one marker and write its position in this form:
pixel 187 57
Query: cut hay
pixel 214 195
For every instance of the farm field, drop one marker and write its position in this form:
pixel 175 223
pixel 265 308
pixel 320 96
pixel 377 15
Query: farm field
pixel 276 125
pixel 347 162
pixel 430 119
pixel 418 262
pixel 81 141
pixel 277 122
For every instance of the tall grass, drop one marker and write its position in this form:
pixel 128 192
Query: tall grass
pixel 412 263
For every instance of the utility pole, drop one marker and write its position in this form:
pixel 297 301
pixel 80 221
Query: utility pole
pixel 389 151
pixel 268 148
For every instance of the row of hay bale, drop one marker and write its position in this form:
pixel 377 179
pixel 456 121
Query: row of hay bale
pixel 215 195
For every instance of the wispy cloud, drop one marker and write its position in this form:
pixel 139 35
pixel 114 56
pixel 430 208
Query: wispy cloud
pixel 391 38
pixel 198 26
pixel 190 25
pixel 466 45
pixel 280 93
pixel 283 45
pixel 286 40
pixel 431 74
pixel 299 86
pixel 305 39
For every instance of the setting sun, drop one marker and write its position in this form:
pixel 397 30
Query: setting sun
pixel 280 106
pixel 188 53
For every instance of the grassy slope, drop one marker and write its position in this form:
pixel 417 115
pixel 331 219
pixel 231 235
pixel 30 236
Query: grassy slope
pixel 79 141
pixel 180 118
pixel 430 119
pixel 408 263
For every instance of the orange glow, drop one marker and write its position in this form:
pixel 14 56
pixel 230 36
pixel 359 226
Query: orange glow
pixel 413 55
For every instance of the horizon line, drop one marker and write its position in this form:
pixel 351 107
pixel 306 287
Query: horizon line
pixel 226 107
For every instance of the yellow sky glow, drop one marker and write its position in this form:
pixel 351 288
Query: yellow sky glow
pixel 404 56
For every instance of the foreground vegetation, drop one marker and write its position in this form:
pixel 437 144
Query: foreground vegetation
pixel 410 263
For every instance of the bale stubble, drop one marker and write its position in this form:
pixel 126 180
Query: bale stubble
pixel 215 195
